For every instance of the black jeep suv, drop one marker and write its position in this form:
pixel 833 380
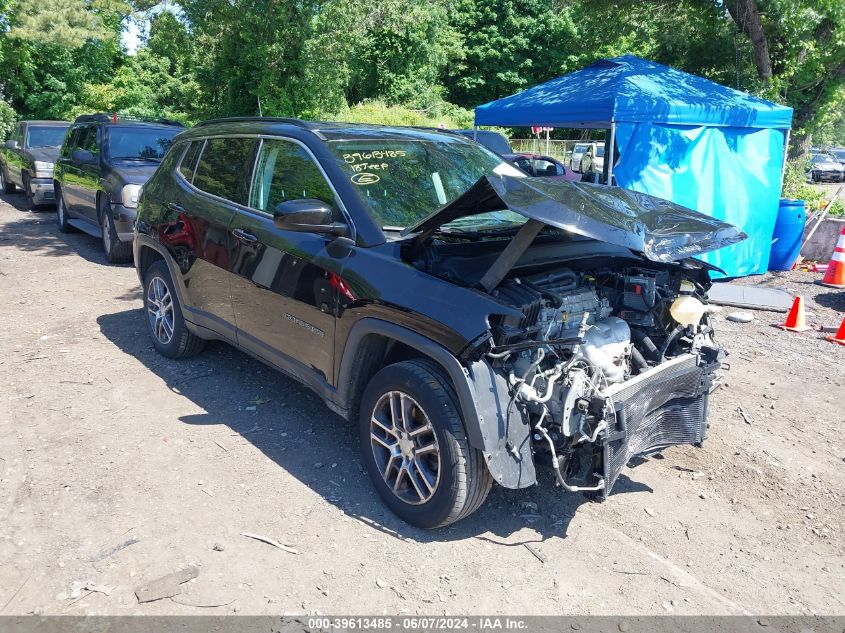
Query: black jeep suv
pixel 103 163
pixel 476 323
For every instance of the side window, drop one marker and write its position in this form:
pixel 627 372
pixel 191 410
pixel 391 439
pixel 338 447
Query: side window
pixel 547 168
pixel 285 171
pixel 524 164
pixel 87 139
pixel 189 160
pixel 18 136
pixel 224 168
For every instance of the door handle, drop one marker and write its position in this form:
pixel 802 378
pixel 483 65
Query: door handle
pixel 175 207
pixel 243 236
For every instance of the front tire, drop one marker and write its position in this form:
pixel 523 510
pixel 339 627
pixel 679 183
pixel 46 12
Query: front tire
pixel 165 322
pixel 415 447
pixel 116 252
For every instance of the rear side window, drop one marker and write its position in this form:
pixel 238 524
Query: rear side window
pixel 224 168
pixel 189 160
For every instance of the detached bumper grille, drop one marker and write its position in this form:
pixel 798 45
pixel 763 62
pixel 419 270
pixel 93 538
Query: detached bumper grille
pixel 663 407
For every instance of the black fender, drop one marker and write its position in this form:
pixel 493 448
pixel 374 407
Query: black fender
pixel 482 396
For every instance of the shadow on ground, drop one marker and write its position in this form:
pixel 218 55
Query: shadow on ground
pixel 37 232
pixel 296 430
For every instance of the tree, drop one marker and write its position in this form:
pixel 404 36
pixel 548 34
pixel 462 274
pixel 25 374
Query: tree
pixel 508 45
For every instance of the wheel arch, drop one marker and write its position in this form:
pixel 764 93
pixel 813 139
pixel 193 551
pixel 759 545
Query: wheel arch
pixel 373 344
pixel 146 251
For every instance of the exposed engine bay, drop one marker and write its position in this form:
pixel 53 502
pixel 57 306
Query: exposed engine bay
pixel 606 362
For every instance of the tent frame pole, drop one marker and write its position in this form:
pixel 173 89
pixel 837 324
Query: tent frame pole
pixel 475 133
pixel 609 153
pixel 785 156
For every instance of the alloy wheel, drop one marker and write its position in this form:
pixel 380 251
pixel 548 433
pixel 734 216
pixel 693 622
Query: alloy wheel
pixel 405 447
pixel 160 310
pixel 106 233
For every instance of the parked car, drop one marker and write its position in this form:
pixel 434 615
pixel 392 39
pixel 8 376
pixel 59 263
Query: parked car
pixel 489 139
pixel 477 323
pixel 592 160
pixel 531 164
pixel 104 162
pixel 27 159
pixel 838 153
pixel 578 151
pixel 825 167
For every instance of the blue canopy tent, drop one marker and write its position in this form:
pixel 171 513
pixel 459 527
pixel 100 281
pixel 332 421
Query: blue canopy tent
pixel 679 137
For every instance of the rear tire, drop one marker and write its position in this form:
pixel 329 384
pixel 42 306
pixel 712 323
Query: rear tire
pixel 61 212
pixel 8 187
pixel 116 252
pixel 163 315
pixel 415 447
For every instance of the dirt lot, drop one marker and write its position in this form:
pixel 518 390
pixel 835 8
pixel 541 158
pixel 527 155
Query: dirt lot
pixel 102 441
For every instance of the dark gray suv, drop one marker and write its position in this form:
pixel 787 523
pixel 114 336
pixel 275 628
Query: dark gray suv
pixel 104 162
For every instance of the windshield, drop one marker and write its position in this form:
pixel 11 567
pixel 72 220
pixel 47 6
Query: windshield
pixel 140 143
pixel 580 148
pixel 823 158
pixel 600 151
pixel 402 181
pixel 45 135
pixel 839 154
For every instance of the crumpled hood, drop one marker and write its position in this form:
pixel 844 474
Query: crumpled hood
pixel 661 230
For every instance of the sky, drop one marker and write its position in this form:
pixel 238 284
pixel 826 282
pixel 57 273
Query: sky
pixel 132 34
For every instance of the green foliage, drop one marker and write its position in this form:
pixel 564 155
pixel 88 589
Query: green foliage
pixel 378 112
pixel 8 117
pixel 508 45
pixel 399 60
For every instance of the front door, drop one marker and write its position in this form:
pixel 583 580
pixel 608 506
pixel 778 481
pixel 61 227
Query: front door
pixel 284 283
pixel 79 193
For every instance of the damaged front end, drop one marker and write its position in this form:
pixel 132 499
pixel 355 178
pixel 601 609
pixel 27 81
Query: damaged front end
pixel 606 350
pixel 598 369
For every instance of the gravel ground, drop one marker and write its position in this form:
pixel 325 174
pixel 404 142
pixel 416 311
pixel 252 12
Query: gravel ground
pixel 118 466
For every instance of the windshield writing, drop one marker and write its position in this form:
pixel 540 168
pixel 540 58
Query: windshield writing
pixel 403 181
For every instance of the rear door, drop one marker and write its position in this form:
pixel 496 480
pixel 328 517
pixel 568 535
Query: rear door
pixel 214 174
pixel 284 283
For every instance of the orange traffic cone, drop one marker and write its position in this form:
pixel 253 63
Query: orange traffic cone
pixel 840 335
pixel 834 277
pixel 795 320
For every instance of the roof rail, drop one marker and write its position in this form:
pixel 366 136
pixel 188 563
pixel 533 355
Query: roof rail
pixel 254 119
pixel 103 117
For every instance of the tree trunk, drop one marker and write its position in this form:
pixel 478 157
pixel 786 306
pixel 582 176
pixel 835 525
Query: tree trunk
pixel 747 17
pixel 799 144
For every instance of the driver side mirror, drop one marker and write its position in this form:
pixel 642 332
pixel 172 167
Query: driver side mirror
pixel 83 156
pixel 308 215
pixel 11 144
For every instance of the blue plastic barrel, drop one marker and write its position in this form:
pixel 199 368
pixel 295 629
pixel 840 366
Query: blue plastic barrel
pixel 788 234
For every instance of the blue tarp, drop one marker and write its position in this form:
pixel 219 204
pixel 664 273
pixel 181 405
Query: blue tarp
pixel 680 137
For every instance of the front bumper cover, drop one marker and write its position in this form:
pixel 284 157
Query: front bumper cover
pixel 42 191
pixel 124 221
pixel 662 407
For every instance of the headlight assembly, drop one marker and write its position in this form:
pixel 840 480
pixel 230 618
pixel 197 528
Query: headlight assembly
pixel 43 168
